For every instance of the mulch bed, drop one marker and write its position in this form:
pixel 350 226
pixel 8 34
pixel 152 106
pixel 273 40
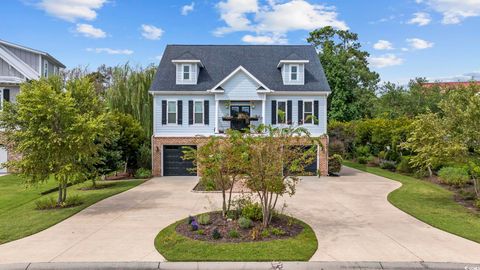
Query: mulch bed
pixel 291 227
pixel 119 176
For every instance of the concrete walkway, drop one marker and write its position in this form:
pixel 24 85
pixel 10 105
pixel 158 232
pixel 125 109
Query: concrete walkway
pixel 350 215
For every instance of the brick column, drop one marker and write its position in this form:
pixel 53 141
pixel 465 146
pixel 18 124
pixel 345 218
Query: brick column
pixel 323 156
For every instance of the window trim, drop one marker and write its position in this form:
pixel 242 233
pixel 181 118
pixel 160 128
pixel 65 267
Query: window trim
pixel 189 72
pixel 297 72
pixel 45 68
pixel 286 112
pixel 313 109
pixel 176 112
pixel 203 112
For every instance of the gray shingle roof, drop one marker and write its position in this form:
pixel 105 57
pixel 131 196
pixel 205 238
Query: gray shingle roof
pixel 221 60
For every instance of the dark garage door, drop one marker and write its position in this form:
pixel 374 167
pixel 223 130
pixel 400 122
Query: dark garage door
pixel 311 169
pixel 173 164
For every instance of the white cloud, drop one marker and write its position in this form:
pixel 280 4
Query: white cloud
pixel 72 10
pixel 454 11
pixel 110 51
pixel 264 39
pixel 420 18
pixel 90 31
pixel 275 19
pixel 383 45
pixel 187 9
pixel 151 32
pixel 475 75
pixel 386 60
pixel 419 44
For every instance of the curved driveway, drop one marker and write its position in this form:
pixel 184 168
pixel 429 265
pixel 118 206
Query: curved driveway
pixel 350 214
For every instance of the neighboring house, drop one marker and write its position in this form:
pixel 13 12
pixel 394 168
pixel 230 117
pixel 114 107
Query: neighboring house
pixel 17 65
pixel 200 90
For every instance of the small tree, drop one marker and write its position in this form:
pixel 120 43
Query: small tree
pixel 54 137
pixel 220 160
pixel 274 162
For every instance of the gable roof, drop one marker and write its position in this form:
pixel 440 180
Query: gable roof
pixel 261 61
pixel 239 69
pixel 48 56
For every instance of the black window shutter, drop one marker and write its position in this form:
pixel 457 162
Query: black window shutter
pixel 190 112
pixel 180 112
pixel 274 112
pixel 289 112
pixel 164 112
pixel 206 112
pixel 6 94
pixel 300 112
pixel 315 112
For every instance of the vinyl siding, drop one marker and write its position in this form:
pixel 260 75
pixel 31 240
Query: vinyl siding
pixel 185 129
pixel 224 111
pixel 316 130
pixel 286 74
pixel 240 87
pixel 7 70
pixel 29 58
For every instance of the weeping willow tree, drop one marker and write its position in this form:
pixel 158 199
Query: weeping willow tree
pixel 128 94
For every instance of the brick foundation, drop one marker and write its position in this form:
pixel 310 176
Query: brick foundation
pixel 159 142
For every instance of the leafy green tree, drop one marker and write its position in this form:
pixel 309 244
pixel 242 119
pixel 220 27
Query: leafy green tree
pixel 272 163
pixel 220 159
pixel 394 101
pixel 128 94
pixel 54 136
pixel 352 83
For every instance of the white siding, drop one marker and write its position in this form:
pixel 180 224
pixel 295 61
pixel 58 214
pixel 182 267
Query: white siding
pixel 28 57
pixel 240 87
pixel 185 129
pixel 194 70
pixel 286 74
pixel 316 130
pixel 7 70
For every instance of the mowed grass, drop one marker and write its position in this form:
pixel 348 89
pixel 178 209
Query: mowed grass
pixel 429 203
pixel 18 216
pixel 176 247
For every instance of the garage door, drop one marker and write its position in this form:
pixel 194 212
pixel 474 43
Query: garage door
pixel 3 158
pixel 173 164
pixel 311 169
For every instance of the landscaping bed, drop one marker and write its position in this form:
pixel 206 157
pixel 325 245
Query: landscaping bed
pixel 282 227
pixel 178 242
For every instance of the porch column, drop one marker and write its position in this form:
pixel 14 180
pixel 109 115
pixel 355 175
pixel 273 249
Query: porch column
pixel 216 115
pixel 263 111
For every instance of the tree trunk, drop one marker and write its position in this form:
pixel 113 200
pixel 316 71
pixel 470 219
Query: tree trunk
pixel 224 203
pixel 60 194
pixel 64 192
pixel 230 195
pixel 476 186
pixel 126 163
pixel 430 171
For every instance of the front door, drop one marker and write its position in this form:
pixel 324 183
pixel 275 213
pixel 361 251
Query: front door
pixel 240 114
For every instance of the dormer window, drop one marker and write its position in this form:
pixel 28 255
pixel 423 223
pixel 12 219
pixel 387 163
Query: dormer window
pixel 293 72
pixel 186 72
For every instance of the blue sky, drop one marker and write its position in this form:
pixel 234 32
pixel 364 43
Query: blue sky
pixel 437 39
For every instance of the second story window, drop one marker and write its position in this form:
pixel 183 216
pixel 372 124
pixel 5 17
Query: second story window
pixel 45 69
pixel 294 73
pixel 281 112
pixel 186 72
pixel 198 111
pixel 172 112
pixel 308 112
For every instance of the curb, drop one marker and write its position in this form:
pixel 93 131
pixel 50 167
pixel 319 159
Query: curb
pixel 239 266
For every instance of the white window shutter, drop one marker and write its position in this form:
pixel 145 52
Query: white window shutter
pixel 179 73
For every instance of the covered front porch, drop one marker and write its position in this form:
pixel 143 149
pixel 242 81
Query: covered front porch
pixel 238 114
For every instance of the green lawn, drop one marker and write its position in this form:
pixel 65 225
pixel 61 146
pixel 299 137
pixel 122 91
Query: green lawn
pixel 429 203
pixel 175 247
pixel 18 217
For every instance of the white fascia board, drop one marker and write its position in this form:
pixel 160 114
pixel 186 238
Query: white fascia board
pixel 198 62
pixel 240 68
pixel 160 93
pixel 282 62
pixel 299 93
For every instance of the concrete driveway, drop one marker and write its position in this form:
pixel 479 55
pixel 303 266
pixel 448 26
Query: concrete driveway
pixel 351 217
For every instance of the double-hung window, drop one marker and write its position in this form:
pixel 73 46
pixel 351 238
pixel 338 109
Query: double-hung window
pixel 281 112
pixel 172 112
pixel 293 73
pixel 186 72
pixel 308 112
pixel 198 112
